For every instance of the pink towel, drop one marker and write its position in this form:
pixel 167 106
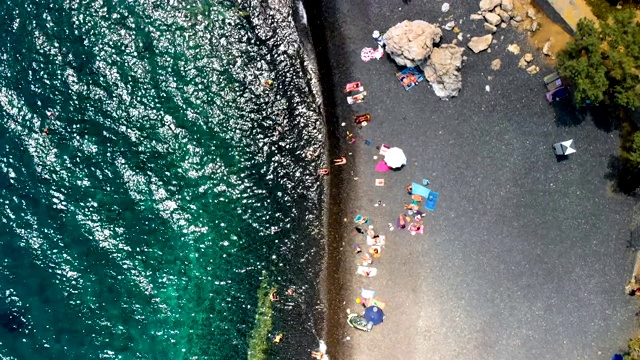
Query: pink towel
pixel 382 166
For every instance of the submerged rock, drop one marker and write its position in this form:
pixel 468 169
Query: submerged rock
pixel 480 43
pixel 409 43
pixel 490 28
pixel 514 49
pixel 495 64
pixel 442 70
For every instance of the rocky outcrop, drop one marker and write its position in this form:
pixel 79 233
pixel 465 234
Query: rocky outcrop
pixel 409 43
pixel 480 43
pixel 488 5
pixel 443 70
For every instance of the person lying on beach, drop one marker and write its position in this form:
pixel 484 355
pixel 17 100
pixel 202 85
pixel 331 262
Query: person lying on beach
pixel 317 355
pixel 274 296
pixel 375 251
pixel 402 223
pixel 366 260
pixel 413 207
pixel 410 189
pixel 340 161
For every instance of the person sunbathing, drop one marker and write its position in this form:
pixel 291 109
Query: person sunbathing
pixel 402 222
pixel 340 161
pixel 413 207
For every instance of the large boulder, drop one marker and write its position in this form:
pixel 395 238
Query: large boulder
pixel 443 70
pixel 409 43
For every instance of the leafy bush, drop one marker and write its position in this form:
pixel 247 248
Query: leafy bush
pixel 603 63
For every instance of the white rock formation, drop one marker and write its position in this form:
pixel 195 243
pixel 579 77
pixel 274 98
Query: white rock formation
pixel 507 5
pixel 443 70
pixel 490 28
pixel 493 19
pixel 409 43
pixel 488 5
pixel 480 43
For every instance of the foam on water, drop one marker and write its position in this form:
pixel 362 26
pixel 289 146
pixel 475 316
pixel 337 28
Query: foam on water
pixel 148 178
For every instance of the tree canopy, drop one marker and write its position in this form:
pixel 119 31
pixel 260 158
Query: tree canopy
pixel 603 64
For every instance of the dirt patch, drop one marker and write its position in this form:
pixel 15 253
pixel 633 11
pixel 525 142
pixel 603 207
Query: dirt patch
pixel 547 30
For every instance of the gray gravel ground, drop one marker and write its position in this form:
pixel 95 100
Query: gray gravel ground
pixel 524 258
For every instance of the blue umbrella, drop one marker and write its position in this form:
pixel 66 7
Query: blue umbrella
pixel 374 315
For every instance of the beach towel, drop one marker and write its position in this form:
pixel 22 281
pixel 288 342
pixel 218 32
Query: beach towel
pixel 366 293
pixel 369 54
pixel 417 189
pixel 410 77
pixel 363 270
pixel 432 201
pixel 382 167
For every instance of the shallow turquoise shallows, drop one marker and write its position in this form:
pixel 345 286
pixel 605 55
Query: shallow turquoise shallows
pixel 148 177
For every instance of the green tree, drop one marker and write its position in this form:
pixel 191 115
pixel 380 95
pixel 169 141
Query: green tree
pixel 622 34
pixel 603 64
pixel 581 62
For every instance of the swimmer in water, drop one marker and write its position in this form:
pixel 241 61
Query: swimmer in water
pixel 274 296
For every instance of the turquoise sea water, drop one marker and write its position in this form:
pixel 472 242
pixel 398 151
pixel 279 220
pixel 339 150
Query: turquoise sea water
pixel 147 178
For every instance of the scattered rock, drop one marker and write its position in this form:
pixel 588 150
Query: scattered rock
pixel 495 64
pixel 409 43
pixel 476 17
pixel 490 28
pixel 460 37
pixel 546 49
pixel 531 13
pixel 525 60
pixel 503 15
pixel 517 18
pixel 445 7
pixel 493 19
pixel 480 43
pixel 514 48
pixel 487 88
pixel 442 70
pixel 514 23
pixel 488 5
pixel 535 26
pixel 533 69
pixel 507 5
pixel 450 25
pixel 503 25
pixel 522 63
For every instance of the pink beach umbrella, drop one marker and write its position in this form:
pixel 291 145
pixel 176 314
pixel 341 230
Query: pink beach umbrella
pixel 382 167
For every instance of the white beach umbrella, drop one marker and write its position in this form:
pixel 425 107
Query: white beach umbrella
pixel 395 157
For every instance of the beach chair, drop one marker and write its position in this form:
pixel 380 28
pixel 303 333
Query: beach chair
pixel 362 119
pixel 555 87
pixel 356 98
pixel 410 77
pixel 353 86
